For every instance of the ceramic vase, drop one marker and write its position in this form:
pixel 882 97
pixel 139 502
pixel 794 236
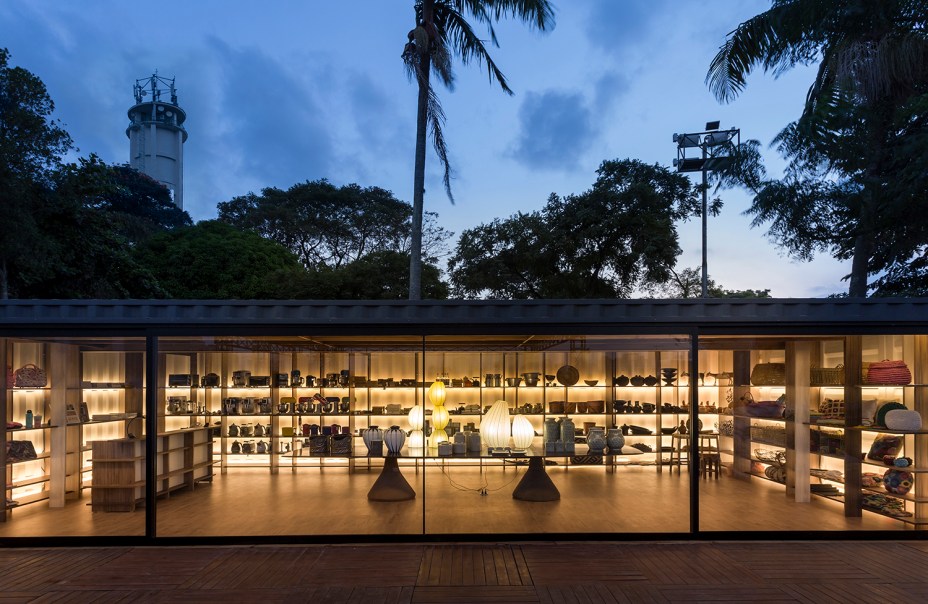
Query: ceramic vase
pixel 474 444
pixel 373 440
pixel 596 440
pixel 615 440
pixel 568 431
pixel 552 430
pixel 394 439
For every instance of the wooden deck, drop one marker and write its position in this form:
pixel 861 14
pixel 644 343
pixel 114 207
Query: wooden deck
pixel 538 572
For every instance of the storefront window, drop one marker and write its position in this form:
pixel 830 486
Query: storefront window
pixel 75 454
pixel 797 419
pixel 278 431
pixel 323 436
pixel 581 448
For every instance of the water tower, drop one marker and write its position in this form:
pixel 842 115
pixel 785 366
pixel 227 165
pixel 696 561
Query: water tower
pixel 156 134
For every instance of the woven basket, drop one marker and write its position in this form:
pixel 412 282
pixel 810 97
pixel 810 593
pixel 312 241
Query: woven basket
pixel 891 373
pixel 769 374
pixel 823 376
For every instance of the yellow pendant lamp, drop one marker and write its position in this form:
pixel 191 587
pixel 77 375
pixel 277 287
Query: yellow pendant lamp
pixel 440 417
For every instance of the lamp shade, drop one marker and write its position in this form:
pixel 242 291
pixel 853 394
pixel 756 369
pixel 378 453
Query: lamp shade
pixel 438 436
pixel 437 393
pixel 522 433
pixel 416 440
pixel 416 418
pixel 440 417
pixel 495 425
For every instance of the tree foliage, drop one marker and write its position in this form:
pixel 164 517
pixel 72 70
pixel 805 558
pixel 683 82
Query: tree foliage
pixel 379 275
pixel 213 260
pixel 443 30
pixel 328 227
pixel 855 185
pixel 687 283
pixel 31 144
pixel 89 218
pixel 604 243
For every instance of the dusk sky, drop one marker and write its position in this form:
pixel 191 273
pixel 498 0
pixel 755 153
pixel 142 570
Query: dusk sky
pixel 281 92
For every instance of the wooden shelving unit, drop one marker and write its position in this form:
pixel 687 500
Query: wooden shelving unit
pixel 184 459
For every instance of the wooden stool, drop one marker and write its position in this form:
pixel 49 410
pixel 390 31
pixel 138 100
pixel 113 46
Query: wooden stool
pixel 681 450
pixel 710 457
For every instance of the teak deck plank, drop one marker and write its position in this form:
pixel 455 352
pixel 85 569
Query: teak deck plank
pixel 474 594
pixel 600 573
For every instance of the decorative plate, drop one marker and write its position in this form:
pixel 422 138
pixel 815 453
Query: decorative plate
pixel 568 375
pixel 897 482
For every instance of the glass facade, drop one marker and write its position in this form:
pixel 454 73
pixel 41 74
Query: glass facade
pixel 74 435
pixel 360 432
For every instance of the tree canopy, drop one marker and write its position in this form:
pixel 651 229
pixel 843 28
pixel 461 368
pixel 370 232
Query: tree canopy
pixel 856 181
pixel 604 243
pixel 379 275
pixel 328 227
pixel 31 144
pixel 213 260
pixel 89 218
pixel 687 283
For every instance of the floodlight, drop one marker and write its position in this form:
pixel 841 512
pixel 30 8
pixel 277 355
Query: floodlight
pixel 689 164
pixel 713 125
pixel 686 140
pixel 714 139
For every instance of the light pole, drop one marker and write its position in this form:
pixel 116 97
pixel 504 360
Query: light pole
pixel 717 147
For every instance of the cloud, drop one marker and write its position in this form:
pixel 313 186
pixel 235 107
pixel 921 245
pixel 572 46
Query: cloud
pixel 608 88
pixel 555 128
pixel 616 26
pixel 269 117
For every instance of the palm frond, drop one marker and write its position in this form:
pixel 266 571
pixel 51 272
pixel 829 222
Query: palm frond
pixel 456 33
pixel 873 69
pixel 537 13
pixel 441 64
pixel 436 117
pixel 777 39
pixel 410 58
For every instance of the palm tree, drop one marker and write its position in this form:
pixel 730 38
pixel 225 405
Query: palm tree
pixel 442 30
pixel 872 58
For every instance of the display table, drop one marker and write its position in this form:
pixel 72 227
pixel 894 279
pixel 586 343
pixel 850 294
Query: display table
pixel 535 485
pixel 391 485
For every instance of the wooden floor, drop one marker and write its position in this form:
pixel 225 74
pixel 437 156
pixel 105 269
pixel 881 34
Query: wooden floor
pixel 333 502
pixel 538 572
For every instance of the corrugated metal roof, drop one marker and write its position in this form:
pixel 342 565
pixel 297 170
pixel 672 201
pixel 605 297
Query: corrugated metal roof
pixel 653 314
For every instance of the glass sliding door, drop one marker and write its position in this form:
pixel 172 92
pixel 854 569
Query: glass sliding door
pixel 789 431
pixel 266 436
pixel 555 434
pixel 74 453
